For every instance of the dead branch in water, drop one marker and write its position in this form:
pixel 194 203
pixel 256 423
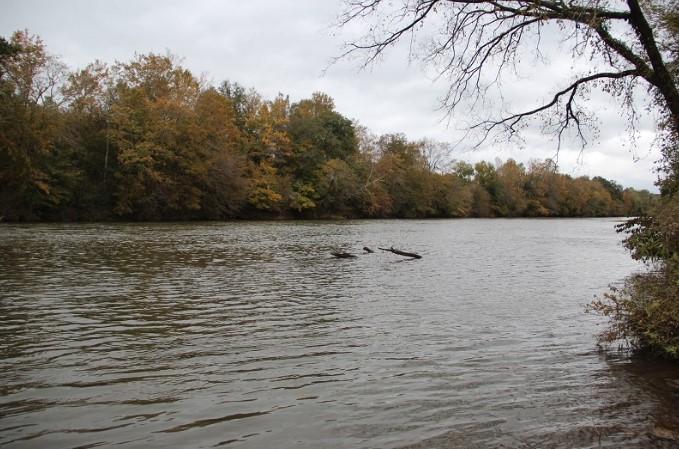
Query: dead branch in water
pixel 401 253
pixel 343 255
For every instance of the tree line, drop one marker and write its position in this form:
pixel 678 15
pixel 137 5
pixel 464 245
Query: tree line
pixel 148 140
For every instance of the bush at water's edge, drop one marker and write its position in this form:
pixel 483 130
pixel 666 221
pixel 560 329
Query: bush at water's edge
pixel 645 311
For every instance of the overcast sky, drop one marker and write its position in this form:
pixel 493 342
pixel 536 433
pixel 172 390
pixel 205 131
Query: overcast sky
pixel 285 45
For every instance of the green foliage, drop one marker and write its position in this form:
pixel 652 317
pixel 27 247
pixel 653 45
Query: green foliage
pixel 338 188
pixel 318 134
pixel 302 197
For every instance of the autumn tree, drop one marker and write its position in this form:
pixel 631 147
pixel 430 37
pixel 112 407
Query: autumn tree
pixel 406 176
pixel 87 99
pixel 541 194
pixel 219 167
pixel 510 195
pixel 154 130
pixel 637 202
pixel 374 199
pixel 266 189
pixel 265 128
pixel 451 196
pixel 30 81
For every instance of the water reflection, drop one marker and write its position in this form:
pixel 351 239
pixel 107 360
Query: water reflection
pixel 251 335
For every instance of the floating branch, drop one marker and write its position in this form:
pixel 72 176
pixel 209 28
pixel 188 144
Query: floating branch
pixel 343 255
pixel 367 250
pixel 401 253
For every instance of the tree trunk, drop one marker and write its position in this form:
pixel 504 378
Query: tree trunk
pixel 662 79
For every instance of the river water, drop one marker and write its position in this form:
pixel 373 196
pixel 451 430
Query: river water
pixel 251 335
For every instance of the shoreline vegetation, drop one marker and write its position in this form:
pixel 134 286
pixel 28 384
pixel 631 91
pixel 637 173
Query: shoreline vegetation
pixel 146 140
pixel 644 312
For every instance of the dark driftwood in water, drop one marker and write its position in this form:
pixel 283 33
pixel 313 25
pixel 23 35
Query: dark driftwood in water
pixel 401 253
pixel 343 255
pixel 367 250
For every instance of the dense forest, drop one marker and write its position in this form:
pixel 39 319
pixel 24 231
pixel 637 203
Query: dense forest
pixel 148 140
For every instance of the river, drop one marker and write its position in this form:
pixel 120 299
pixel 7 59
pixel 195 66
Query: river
pixel 251 335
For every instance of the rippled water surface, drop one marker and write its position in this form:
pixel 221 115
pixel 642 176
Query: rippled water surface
pixel 250 335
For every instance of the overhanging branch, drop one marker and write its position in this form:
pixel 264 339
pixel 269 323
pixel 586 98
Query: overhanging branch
pixel 570 116
pixel 482 39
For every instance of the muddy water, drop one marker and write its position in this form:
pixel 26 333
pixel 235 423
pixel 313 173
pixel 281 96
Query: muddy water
pixel 250 335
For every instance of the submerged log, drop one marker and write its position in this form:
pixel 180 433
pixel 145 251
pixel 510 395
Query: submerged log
pixel 402 253
pixel 367 250
pixel 342 255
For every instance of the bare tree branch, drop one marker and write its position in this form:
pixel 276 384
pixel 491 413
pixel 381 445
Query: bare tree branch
pixel 482 39
pixel 570 115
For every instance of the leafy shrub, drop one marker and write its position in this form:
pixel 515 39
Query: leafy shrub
pixel 645 311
